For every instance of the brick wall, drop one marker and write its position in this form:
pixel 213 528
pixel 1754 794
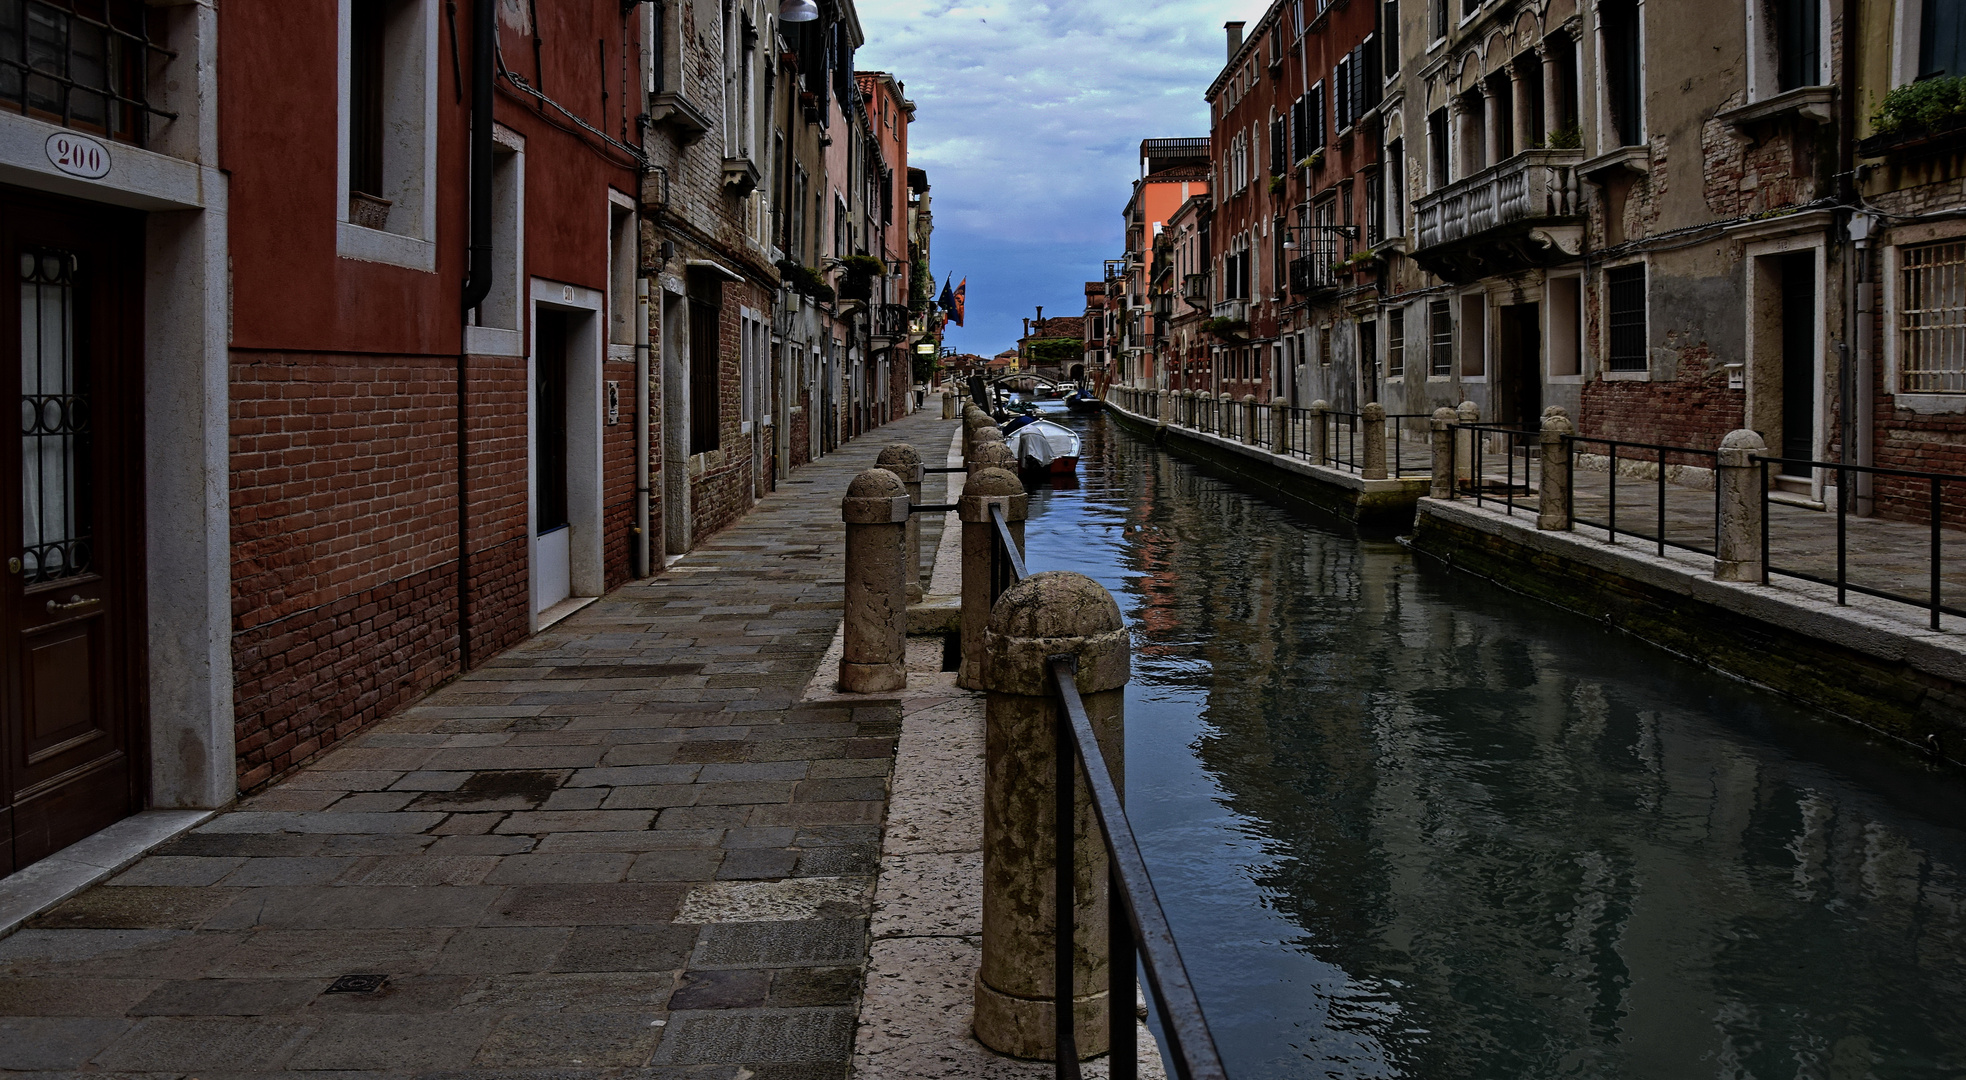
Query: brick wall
pixel 344 530
pixel 500 594
pixel 1695 410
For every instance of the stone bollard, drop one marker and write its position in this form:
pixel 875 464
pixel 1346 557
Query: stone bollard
pixel 973 420
pixel 1553 507
pixel 1443 445
pixel 993 455
pixel 990 433
pixel 1374 417
pixel 1321 432
pixel 984 489
pixel 1465 413
pixel 1280 425
pixel 949 405
pixel 876 514
pixel 1225 416
pixel 1050 614
pixel 1737 543
pixel 906 464
pixel 1249 419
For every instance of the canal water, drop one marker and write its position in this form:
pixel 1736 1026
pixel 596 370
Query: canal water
pixel 1407 824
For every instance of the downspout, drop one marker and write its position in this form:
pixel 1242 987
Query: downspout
pixel 1855 403
pixel 642 495
pixel 477 285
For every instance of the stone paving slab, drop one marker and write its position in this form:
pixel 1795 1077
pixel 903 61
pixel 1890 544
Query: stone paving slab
pixel 621 848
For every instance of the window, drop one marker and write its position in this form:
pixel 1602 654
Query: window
pixel 1341 94
pixel 1315 116
pixel 1624 74
pixel 1395 342
pixel 1324 346
pixel 500 310
pixel 1469 7
pixel 1278 149
pixel 1389 31
pixel 1941 38
pixel 1565 310
pixel 1393 196
pixel 1437 174
pixel 623 242
pixel 1440 323
pixel 1625 317
pixel 1474 335
pixel 77 64
pixel 1932 319
pixel 1798 42
pixel 387 119
pixel 1440 18
pixel 705 362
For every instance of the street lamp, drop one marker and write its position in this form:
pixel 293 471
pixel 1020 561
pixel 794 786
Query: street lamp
pixel 797 11
pixel 1290 243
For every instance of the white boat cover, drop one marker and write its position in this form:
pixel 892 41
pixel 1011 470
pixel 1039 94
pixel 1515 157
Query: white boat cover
pixel 1041 442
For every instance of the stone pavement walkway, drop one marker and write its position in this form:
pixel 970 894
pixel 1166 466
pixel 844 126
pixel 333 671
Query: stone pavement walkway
pixel 620 849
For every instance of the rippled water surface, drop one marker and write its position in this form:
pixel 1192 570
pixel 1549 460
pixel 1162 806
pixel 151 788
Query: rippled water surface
pixel 1407 824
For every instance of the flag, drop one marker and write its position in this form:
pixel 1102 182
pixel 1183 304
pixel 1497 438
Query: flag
pixel 961 298
pixel 948 300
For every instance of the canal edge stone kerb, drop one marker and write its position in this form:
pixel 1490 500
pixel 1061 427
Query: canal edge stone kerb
pixel 1048 614
pixel 874 645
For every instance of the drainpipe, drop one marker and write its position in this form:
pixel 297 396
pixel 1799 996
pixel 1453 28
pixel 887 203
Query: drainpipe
pixel 642 561
pixel 477 285
pixel 1858 288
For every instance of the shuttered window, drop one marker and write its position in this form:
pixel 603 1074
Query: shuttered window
pixel 1396 341
pixel 1626 317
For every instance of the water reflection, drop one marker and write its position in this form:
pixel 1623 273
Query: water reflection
pixel 1409 825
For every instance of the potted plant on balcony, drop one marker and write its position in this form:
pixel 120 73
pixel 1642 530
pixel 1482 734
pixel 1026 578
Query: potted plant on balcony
pixel 804 280
pixel 1276 185
pixel 1931 112
pixel 858 274
pixel 1356 262
pixel 1225 329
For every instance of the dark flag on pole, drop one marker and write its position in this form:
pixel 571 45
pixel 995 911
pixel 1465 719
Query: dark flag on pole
pixel 961 298
pixel 948 300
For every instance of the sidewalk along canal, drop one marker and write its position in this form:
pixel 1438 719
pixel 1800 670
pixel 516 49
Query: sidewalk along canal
pixel 1407 823
pixel 620 844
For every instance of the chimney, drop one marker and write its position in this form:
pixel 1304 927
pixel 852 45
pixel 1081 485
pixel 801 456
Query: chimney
pixel 1235 39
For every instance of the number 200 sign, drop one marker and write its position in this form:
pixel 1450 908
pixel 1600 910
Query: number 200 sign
pixel 78 155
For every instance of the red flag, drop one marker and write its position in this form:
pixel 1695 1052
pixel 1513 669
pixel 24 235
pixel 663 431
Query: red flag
pixel 961 291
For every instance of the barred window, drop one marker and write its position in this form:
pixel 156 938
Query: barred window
pixel 79 63
pixel 1396 342
pixel 1626 286
pixel 1932 319
pixel 1440 316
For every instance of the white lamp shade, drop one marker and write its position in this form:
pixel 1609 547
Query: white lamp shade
pixel 797 10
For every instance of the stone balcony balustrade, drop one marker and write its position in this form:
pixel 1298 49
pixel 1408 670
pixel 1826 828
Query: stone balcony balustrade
pixel 1523 212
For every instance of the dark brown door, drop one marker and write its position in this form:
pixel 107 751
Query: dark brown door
pixel 71 526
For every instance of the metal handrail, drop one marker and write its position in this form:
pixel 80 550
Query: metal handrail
pixel 1477 471
pixel 1610 525
pixel 1136 924
pixel 1935 603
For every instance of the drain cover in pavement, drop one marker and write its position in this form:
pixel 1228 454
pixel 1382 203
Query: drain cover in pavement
pixel 357 984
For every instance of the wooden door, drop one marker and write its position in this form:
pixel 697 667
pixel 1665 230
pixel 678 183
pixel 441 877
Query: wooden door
pixel 71 526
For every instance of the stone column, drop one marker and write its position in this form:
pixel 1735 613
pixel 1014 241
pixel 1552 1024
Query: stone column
pixel 1520 110
pixel 1051 614
pixel 1553 510
pixel 1249 419
pixel 1737 540
pixel 906 464
pixel 1320 432
pixel 1491 127
pixel 1457 141
pixel 1280 425
pixel 984 489
pixel 1443 445
pixel 1552 88
pixel 1465 413
pixel 876 514
pixel 1374 417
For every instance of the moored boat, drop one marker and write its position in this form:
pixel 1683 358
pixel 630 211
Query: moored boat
pixel 1083 401
pixel 1042 446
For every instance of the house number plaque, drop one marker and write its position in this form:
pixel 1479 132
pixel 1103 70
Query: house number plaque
pixel 78 155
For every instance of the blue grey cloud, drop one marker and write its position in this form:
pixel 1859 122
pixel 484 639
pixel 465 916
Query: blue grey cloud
pixel 1029 124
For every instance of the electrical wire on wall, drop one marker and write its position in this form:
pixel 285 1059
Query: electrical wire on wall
pixel 520 88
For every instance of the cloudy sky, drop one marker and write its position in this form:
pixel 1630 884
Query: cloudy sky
pixel 1029 124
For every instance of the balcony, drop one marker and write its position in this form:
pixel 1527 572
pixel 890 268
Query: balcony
pixel 1194 290
pixel 1231 309
pixel 1311 275
pixel 1522 213
pixel 890 324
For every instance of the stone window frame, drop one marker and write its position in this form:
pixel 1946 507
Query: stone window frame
pixel 410 114
pixel 1763 57
pixel 1890 264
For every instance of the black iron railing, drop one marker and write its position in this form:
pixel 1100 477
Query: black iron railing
pixel 1934 600
pixel 1514 443
pixel 1344 440
pixel 1137 929
pixel 1660 458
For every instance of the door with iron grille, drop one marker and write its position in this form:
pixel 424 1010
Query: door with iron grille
pixel 71 520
